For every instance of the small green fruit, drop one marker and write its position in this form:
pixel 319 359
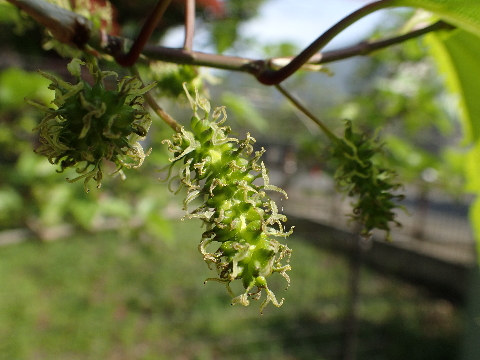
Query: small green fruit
pixel 237 212
pixel 92 124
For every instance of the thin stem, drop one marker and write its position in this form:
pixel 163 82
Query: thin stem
pixel 162 114
pixel 307 112
pixel 131 57
pixel 189 24
pixel 365 47
pixel 272 77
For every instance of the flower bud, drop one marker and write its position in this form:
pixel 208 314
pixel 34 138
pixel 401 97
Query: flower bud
pixel 238 213
pixel 92 124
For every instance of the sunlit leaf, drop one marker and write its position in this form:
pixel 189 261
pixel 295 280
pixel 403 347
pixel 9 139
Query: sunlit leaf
pixel 475 219
pixel 472 169
pixel 464 14
pixel 472 173
pixel 457 55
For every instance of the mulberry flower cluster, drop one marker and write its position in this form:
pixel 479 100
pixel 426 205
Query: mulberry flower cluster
pixel 92 124
pixel 239 216
pixel 359 176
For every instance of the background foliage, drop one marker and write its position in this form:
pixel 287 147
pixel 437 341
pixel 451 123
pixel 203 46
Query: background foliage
pixel 126 289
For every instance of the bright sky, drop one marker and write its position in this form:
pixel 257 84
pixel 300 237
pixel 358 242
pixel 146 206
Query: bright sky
pixel 300 22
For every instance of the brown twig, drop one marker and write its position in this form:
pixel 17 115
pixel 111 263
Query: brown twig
pixel 253 66
pixel 132 56
pixel 189 24
pixel 162 114
pixel 180 56
pixel 61 27
pixel 272 77
pixel 236 63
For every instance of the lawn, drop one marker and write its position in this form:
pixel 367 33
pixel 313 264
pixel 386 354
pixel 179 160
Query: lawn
pixel 112 297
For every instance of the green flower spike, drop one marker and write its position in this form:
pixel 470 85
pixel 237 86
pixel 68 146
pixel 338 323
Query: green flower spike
pixel 358 175
pixel 92 124
pixel 238 214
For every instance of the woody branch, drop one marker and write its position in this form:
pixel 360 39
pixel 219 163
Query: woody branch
pixel 76 30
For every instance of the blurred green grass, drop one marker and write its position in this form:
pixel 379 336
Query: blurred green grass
pixel 132 296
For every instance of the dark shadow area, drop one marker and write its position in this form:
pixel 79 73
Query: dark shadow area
pixel 447 280
pixel 305 337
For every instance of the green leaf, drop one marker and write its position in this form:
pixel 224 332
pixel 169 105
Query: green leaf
pixel 457 55
pixel 159 226
pixel 464 14
pixel 112 206
pixel 53 202
pixel 244 111
pixel 472 173
pixel 224 34
pixel 84 212
pixel 10 204
pixel 475 220
pixel 409 158
pixel 17 84
pixel 472 170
